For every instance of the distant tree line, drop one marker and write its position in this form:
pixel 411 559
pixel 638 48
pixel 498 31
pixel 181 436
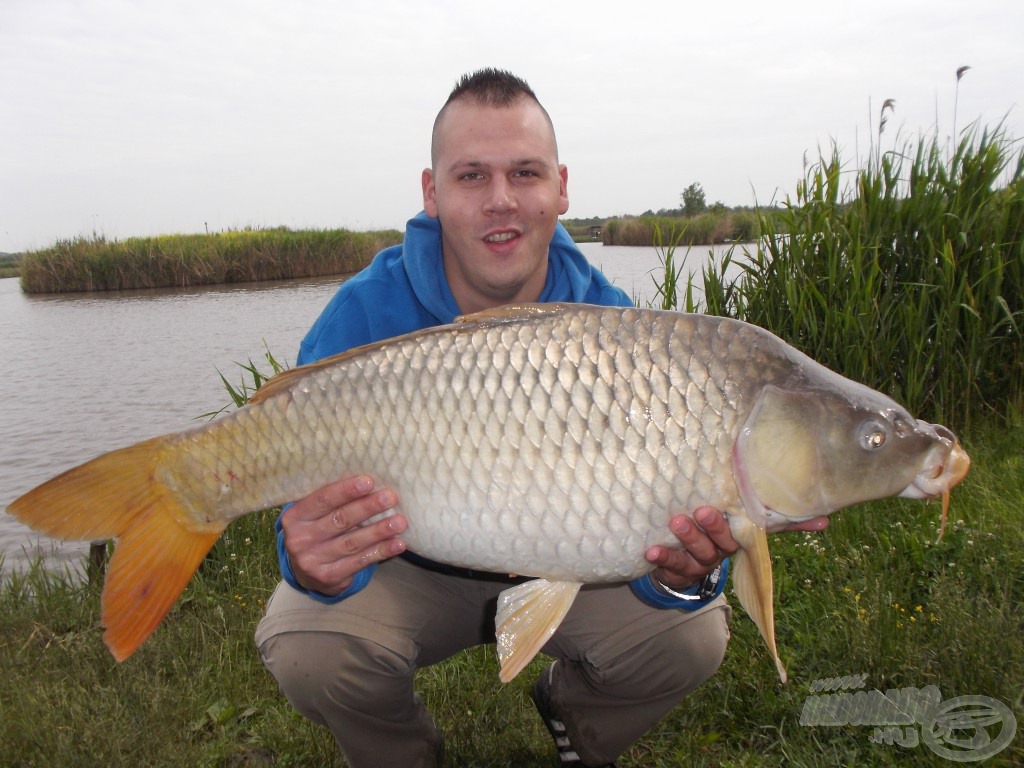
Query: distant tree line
pixel 695 222
pixel 9 264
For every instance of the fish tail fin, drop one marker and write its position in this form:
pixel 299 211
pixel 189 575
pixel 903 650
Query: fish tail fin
pixel 117 496
pixel 528 615
pixel 753 584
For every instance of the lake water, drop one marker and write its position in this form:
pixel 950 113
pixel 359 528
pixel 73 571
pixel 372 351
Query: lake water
pixel 88 373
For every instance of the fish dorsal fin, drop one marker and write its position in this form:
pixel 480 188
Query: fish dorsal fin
pixel 528 615
pixel 284 380
pixel 510 313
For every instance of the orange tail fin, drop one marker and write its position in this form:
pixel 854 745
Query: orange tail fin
pixel 116 495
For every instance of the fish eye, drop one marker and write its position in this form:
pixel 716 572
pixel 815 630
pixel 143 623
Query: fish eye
pixel 873 435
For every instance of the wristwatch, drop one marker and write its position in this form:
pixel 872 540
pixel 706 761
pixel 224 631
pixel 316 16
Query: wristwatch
pixel 705 588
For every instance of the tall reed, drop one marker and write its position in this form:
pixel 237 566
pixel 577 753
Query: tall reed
pixel 909 278
pixel 96 264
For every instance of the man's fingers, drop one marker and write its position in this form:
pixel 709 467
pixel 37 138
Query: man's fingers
pixel 676 568
pixel 336 575
pixel 324 501
pixel 359 510
pixel 717 528
pixel 358 540
pixel 330 566
pixel 707 540
pixel 671 559
pixel 327 536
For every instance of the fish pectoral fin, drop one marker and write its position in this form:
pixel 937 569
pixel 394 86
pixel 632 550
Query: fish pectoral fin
pixel 528 615
pixel 753 584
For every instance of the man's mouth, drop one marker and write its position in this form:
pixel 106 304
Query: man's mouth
pixel 501 237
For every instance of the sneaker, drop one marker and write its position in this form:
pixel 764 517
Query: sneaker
pixel 541 695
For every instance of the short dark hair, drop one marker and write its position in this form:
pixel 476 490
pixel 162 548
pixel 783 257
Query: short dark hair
pixel 493 88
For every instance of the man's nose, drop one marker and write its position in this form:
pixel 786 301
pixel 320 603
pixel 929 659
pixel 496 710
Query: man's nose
pixel 501 196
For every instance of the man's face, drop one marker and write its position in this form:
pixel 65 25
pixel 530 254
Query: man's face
pixel 498 190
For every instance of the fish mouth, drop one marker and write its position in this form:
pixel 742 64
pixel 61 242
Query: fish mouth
pixel 946 465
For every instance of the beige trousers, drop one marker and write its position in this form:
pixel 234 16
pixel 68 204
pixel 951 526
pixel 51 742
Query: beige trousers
pixel 349 666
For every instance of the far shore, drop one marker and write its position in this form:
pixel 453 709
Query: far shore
pixel 180 261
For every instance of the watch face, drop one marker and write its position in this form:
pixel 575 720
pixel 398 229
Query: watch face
pixel 710 583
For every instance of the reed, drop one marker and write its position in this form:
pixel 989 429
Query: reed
pixel 907 275
pixel 702 229
pixel 96 264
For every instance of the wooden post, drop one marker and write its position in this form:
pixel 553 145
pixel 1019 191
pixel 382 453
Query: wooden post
pixel 97 561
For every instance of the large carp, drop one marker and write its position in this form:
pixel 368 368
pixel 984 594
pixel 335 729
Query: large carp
pixel 548 440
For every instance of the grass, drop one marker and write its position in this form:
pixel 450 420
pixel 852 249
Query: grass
pixel 96 264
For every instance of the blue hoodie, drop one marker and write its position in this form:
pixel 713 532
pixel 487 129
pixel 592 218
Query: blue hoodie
pixel 403 290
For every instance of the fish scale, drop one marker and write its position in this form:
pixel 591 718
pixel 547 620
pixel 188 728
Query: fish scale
pixel 550 439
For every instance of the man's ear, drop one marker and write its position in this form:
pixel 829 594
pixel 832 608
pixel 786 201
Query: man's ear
pixel 563 191
pixel 429 193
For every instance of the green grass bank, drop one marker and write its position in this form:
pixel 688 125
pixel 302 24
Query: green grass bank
pixel 97 264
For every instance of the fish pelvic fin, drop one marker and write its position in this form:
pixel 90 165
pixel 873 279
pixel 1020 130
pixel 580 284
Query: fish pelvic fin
pixel 528 615
pixel 753 584
pixel 117 496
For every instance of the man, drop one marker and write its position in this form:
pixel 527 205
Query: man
pixel 356 615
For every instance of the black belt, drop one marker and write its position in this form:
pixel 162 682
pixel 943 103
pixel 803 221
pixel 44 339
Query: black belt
pixel 465 573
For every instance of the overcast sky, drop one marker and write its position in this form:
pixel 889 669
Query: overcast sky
pixel 135 118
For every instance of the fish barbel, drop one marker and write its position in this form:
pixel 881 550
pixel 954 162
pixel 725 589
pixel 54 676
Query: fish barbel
pixel 548 440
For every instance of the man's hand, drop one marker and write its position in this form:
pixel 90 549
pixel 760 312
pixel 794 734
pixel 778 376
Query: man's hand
pixel 706 541
pixel 326 545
